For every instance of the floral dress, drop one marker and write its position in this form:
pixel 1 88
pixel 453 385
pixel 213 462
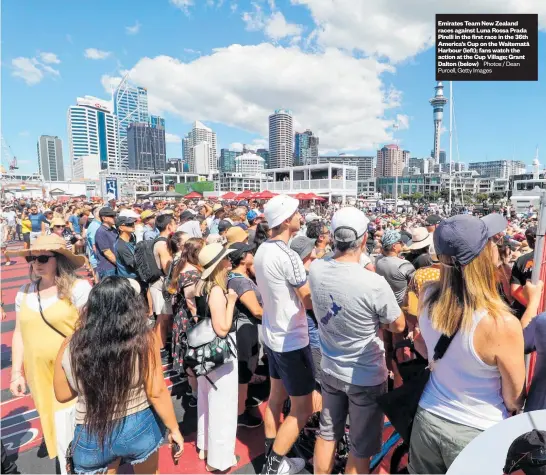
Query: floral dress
pixel 182 319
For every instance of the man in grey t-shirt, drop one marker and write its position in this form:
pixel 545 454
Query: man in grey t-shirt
pixel 350 304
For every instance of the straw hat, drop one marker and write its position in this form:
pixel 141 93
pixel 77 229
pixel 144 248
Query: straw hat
pixel 210 256
pixel 420 238
pixel 51 243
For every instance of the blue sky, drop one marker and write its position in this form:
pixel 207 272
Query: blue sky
pixel 348 81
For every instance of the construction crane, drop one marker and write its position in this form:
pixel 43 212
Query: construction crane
pixel 8 156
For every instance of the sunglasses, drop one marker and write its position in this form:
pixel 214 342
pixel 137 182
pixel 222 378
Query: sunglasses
pixel 40 259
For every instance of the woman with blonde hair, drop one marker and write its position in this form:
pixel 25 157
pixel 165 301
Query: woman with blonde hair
pixel 480 379
pixel 46 313
pixel 217 391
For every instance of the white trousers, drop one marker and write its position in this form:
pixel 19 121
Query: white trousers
pixel 217 415
pixel 65 423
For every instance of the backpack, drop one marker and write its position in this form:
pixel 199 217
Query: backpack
pixel 147 269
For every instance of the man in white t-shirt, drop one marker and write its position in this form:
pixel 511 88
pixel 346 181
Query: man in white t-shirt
pixel 282 282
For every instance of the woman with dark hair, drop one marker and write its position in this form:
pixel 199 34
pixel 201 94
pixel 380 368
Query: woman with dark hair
pixel 185 276
pixel 263 233
pixel 112 364
pixel 217 400
pixel 176 244
pixel 47 311
pixel 250 307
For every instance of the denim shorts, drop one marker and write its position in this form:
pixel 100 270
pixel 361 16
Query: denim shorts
pixel 134 438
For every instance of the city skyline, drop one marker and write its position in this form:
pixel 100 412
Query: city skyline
pixel 348 88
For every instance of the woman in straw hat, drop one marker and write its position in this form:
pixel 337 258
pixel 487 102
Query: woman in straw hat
pixel 46 313
pixel 217 393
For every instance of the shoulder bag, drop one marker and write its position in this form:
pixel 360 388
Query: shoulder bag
pixel 42 312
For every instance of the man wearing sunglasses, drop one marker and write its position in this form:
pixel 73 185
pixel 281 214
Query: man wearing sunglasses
pixel 124 249
pixel 104 243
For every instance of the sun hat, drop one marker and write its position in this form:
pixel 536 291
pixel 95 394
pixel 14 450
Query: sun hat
pixel 351 219
pixel 210 256
pixel 420 238
pixel 391 237
pixel 302 246
pixel 280 208
pixel 496 223
pixel 146 214
pixel 57 222
pixel 51 243
pixel 217 207
pixel 462 237
pixel 236 234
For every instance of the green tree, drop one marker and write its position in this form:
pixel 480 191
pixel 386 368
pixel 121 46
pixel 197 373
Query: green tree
pixel 481 197
pixel 434 196
pixel 417 196
pixel 495 197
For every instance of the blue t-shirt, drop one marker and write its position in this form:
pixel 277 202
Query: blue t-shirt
pixel 36 221
pixel 75 223
pixel 535 340
pixel 104 240
pixel 90 238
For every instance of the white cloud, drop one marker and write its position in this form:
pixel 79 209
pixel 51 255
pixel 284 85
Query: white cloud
pixel 402 121
pixel 172 138
pixel 275 25
pixel 50 58
pixel 50 70
pixel 109 83
pixel 133 30
pixel 94 53
pixel 183 5
pixel 240 86
pixel 191 51
pixel 27 69
pixel 254 145
pixel 397 29
pixel 233 7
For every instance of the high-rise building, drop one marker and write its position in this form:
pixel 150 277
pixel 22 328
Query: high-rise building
pixel 50 158
pixel 130 106
pixel 146 147
pixel 176 164
pixel 306 148
pixel 249 164
pixel 264 153
pixel 438 102
pixel 193 142
pixel 92 130
pixel 281 139
pixel 390 161
pixel 364 164
pixel 156 121
pixel 186 151
pixel 227 160
pixel 498 168
pixel 443 158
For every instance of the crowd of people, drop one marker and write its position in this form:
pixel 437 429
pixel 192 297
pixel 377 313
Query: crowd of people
pixel 320 298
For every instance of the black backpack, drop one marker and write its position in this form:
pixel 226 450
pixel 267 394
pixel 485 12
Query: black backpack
pixel 146 267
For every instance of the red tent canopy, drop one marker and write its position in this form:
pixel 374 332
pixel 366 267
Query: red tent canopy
pixel 301 196
pixel 193 196
pixel 264 195
pixel 313 196
pixel 245 195
pixel 229 195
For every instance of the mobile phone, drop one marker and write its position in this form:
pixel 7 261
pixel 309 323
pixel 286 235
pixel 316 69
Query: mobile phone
pixel 175 449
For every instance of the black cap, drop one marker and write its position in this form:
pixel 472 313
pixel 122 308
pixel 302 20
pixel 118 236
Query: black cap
pixel 433 220
pixel 186 216
pixel 107 212
pixel 125 221
pixel 462 237
pixel 224 225
pixel 531 233
pixel 240 249
pixel 527 453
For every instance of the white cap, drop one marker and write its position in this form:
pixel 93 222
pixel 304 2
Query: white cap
pixel 110 196
pixel 280 208
pixel 129 213
pixel 310 217
pixel 349 219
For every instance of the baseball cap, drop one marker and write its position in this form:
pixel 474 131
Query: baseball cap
pixel 110 196
pixel 147 214
pixel 251 215
pixel 107 212
pixel 462 237
pixel 433 220
pixel 350 219
pixel 129 213
pixel 527 453
pixel 240 248
pixel 125 221
pixel 279 208
pixel 496 223
pixel 217 207
pixel 224 225
pixel 391 237
pixel 302 245
pixel 310 217
pixel 186 215
pixel 236 234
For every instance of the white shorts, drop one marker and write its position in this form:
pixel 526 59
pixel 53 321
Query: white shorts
pixel 160 306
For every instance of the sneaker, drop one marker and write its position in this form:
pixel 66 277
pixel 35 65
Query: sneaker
pixel 248 420
pixel 253 402
pixel 189 391
pixel 192 401
pixel 287 466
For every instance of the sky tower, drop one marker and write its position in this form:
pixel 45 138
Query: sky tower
pixel 438 102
